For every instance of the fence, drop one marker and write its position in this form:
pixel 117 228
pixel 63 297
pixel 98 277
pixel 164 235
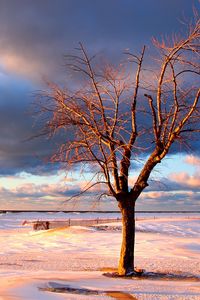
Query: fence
pixel 44 225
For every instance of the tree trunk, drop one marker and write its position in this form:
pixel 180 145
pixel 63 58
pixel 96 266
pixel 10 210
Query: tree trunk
pixel 126 262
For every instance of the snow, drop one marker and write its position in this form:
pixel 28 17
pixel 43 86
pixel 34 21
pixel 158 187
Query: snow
pixel 32 262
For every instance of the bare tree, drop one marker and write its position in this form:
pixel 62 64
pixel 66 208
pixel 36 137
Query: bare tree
pixel 113 114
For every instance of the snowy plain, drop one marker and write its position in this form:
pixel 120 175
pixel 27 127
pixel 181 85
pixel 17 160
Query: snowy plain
pixel 38 265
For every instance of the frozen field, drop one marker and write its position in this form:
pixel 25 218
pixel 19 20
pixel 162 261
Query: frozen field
pixel 38 265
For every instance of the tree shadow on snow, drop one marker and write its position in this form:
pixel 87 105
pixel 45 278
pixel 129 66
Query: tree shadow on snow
pixel 156 276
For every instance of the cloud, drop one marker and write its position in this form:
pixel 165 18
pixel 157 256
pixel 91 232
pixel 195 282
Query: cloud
pixel 169 201
pixel 156 195
pixel 186 180
pixel 193 160
pixel 35 37
pixel 53 191
pixel 17 151
pixel 33 40
pixel 176 191
pixel 25 192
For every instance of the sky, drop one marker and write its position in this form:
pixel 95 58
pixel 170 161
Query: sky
pixel 34 37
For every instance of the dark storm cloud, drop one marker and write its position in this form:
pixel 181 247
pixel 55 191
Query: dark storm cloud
pixel 41 31
pixel 35 34
pixel 16 127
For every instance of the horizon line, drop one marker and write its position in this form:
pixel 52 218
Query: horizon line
pixel 100 211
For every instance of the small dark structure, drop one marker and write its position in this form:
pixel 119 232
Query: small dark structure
pixel 41 225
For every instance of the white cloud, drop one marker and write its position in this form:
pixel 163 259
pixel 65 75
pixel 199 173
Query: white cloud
pixel 193 160
pixel 184 178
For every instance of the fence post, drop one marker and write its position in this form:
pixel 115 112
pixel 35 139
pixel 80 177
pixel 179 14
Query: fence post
pixel 69 222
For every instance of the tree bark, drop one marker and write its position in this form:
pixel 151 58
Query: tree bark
pixel 126 262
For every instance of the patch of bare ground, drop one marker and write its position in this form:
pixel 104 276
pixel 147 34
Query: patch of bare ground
pixel 55 287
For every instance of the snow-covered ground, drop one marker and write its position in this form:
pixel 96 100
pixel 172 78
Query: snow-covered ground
pixel 37 265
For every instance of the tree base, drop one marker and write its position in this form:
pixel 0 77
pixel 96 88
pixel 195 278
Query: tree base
pixel 133 273
pixel 142 274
